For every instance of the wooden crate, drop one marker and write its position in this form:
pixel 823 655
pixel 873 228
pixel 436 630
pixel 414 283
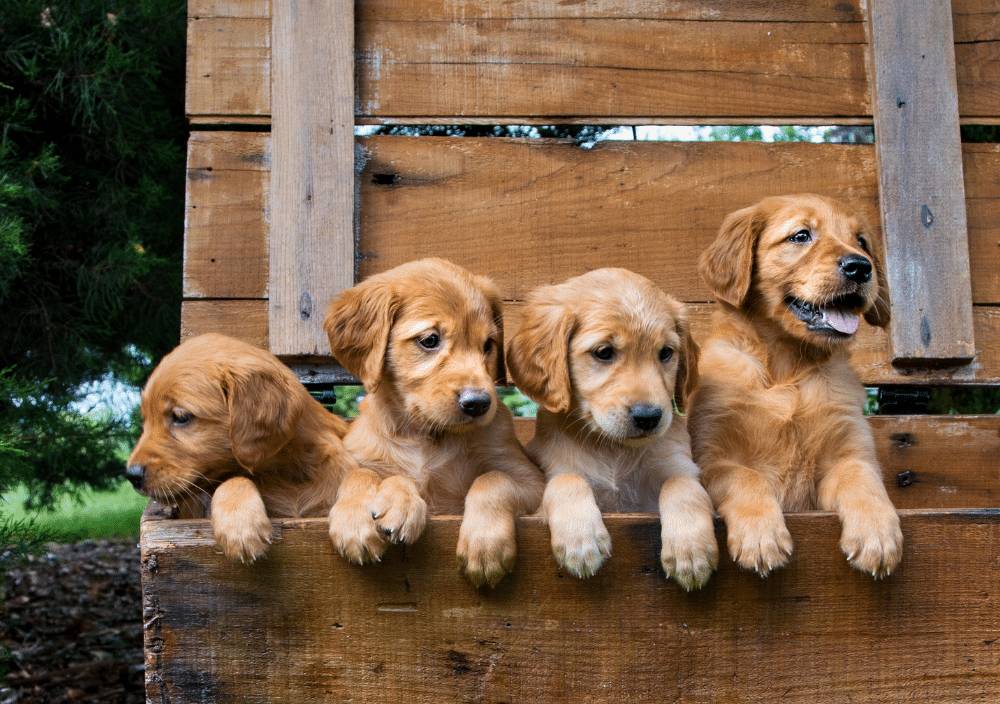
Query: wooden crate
pixel 285 207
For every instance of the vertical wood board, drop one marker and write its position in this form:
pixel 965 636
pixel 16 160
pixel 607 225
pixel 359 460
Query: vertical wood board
pixel 312 169
pixel 922 196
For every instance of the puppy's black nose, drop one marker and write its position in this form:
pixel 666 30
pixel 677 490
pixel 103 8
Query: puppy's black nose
pixel 856 268
pixel 135 473
pixel 474 402
pixel 646 416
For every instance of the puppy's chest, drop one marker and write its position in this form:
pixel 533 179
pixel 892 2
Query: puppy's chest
pixel 619 487
pixel 442 471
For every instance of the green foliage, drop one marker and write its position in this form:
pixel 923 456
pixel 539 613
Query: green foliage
pixel 964 401
pixel 341 400
pixel 980 133
pixel 581 134
pixel 92 138
pixel 520 405
pixel 94 515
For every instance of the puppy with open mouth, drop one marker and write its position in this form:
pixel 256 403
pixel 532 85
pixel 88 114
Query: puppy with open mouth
pixel 426 340
pixel 610 360
pixel 777 420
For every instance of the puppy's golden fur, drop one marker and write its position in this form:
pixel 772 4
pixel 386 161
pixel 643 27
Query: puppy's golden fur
pixel 609 358
pixel 225 419
pixel 776 422
pixel 426 340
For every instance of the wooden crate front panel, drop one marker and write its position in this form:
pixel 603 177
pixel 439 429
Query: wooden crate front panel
pixel 543 210
pixel 614 59
pixel 303 625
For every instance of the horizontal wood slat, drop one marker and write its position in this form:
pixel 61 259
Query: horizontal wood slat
pixel 304 625
pixel 928 462
pixel 247 320
pixel 611 59
pixel 543 210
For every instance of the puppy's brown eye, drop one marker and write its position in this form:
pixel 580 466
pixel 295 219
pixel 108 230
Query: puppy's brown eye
pixel 181 417
pixel 429 342
pixel 488 347
pixel 801 237
pixel 863 243
pixel 665 354
pixel 604 353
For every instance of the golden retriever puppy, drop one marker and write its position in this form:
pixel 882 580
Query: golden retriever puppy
pixel 426 340
pixel 610 360
pixel 776 422
pixel 224 419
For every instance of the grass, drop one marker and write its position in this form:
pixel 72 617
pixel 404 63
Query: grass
pixel 99 514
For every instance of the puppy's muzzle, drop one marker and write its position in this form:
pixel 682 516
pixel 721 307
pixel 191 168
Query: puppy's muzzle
pixel 474 402
pixel 645 416
pixel 856 268
pixel 136 474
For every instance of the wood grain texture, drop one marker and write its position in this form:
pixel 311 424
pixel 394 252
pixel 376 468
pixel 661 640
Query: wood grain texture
pixel 303 625
pixel 228 67
pixel 922 195
pixel 312 169
pixel 544 210
pixel 609 59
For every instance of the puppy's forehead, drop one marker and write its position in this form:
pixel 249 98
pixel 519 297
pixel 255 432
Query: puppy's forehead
pixel 445 303
pixel 819 215
pixel 627 314
pixel 183 383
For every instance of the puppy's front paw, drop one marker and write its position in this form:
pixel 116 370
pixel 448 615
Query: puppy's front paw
pixel 239 520
pixel 487 548
pixel 872 540
pixel 690 557
pixel 759 542
pixel 398 510
pixel 244 534
pixel 354 534
pixel 580 542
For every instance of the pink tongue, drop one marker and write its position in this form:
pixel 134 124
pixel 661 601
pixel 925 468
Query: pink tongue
pixel 842 321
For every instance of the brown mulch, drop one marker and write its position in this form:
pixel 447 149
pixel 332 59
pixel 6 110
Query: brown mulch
pixel 73 626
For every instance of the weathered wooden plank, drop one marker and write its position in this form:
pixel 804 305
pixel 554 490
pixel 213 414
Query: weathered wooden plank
pixel 922 196
pixel 312 169
pixel 228 67
pixel 608 66
pixel 243 319
pixel 543 211
pixel 630 58
pixel 870 351
pixel 200 9
pixel 938 462
pixel 226 229
pixel 303 625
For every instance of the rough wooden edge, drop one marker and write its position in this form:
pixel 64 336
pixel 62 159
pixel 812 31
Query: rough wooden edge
pixel 922 195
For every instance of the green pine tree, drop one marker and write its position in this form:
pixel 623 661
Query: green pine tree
pixel 92 138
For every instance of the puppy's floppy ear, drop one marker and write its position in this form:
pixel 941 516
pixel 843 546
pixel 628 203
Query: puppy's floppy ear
pixel 265 406
pixel 538 356
pixel 878 315
pixel 357 324
pixel 687 366
pixel 496 308
pixel 727 265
